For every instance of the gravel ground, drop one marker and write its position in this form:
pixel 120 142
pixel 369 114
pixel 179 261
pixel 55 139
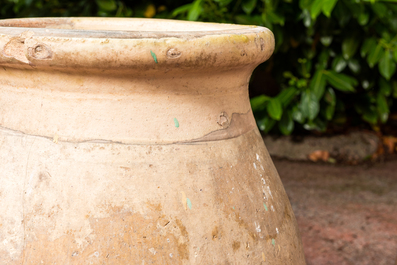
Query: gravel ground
pixel 346 214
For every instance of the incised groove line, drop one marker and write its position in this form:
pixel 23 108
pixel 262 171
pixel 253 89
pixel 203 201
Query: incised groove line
pixel 240 123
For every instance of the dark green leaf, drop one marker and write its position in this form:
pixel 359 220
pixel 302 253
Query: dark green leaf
pixel 326 40
pixel 259 103
pixel 330 97
pixel 329 112
pixel 305 4
pixel 252 20
pixel 302 83
pixel 316 124
pixel 370 115
pixel 383 108
pixel 354 66
pixel 307 19
pixel 266 124
pixel 195 10
pixel 323 59
pixel 286 95
pixel 341 82
pixel 328 6
pixel 385 87
pixel 387 66
pixel 349 46
pixel 339 64
pixel 363 18
pixel 374 55
pixel 380 9
pixel 274 18
pixel 342 14
pixel 106 5
pixel 369 44
pixel 395 54
pixel 297 115
pixel 317 84
pixel 248 6
pixel 274 108
pixel 181 9
pixel 223 2
pixel 288 74
pixel 286 124
pixel 316 8
pixel 309 105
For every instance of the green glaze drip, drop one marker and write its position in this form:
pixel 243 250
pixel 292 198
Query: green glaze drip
pixel 176 122
pixel 264 204
pixel 154 56
pixel 189 203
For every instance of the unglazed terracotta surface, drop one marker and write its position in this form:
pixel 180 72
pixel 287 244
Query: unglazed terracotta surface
pixel 132 141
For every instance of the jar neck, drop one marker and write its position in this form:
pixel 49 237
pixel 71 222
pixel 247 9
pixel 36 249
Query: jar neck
pixel 162 109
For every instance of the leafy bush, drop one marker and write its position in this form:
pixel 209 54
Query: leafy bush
pixel 335 60
pixel 334 63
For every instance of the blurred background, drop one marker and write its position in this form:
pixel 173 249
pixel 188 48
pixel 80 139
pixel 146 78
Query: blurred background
pixel 327 95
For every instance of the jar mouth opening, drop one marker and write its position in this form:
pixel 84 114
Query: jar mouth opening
pixel 127 25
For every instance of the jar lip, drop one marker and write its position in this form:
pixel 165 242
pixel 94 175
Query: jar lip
pixel 72 44
pixel 120 28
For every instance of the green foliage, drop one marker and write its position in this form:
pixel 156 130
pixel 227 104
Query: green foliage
pixel 335 60
pixel 334 63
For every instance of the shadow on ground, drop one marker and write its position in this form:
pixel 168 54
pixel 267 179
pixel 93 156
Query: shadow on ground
pixel 346 214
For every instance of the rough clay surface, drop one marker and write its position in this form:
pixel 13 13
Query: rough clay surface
pixel 347 215
pixel 354 147
pixel 218 202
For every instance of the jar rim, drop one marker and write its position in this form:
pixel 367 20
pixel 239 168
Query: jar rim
pixel 120 28
pixel 109 44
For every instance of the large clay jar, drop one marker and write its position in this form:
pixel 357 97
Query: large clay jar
pixel 132 141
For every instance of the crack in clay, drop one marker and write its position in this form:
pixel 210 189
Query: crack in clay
pixel 240 124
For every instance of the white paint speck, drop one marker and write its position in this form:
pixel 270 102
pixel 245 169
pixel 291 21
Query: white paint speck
pixel 270 192
pixel 153 251
pixel 96 254
pixel 168 240
pixel 262 168
pixel 263 181
pixel 272 208
pixel 258 158
pixel 171 255
pixel 257 227
pixel 254 165
pixel 277 230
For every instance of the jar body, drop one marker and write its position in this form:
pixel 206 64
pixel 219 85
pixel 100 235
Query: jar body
pixel 216 202
pixel 143 152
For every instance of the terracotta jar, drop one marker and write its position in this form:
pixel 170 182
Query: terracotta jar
pixel 132 141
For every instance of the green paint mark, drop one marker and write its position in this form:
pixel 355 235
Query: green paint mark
pixel 154 56
pixel 233 207
pixel 189 203
pixel 273 242
pixel 176 122
pixel 264 204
